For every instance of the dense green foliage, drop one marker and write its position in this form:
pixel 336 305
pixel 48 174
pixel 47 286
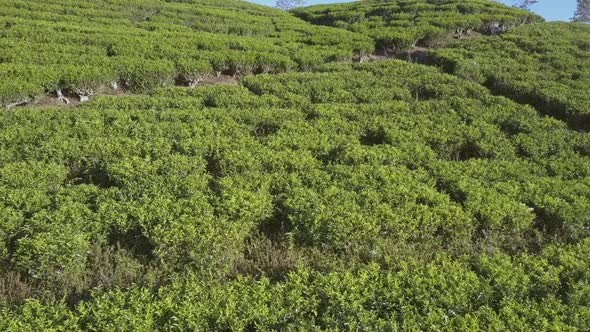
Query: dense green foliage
pixel 381 196
pixel 314 195
pixel 78 46
pixel 546 65
pixel 402 24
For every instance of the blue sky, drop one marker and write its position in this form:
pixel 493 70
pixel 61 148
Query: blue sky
pixel 552 10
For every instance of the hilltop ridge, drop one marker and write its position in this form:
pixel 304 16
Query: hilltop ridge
pixel 399 25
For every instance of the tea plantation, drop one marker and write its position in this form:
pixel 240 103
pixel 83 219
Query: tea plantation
pixel 308 193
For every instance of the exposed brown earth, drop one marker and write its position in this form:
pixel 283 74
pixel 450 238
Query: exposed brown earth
pixel 52 100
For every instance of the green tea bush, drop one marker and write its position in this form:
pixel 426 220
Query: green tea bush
pixel 145 75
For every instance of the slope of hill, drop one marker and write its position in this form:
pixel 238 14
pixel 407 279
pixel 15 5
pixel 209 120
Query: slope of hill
pixel 546 65
pixel 386 196
pixel 79 46
pixel 401 24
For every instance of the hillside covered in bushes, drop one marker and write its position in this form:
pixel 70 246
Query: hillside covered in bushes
pixel 311 193
pixel 78 46
pixel 397 25
pixel 544 65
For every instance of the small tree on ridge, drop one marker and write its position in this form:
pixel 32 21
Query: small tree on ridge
pixel 525 4
pixel 582 13
pixel 288 4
